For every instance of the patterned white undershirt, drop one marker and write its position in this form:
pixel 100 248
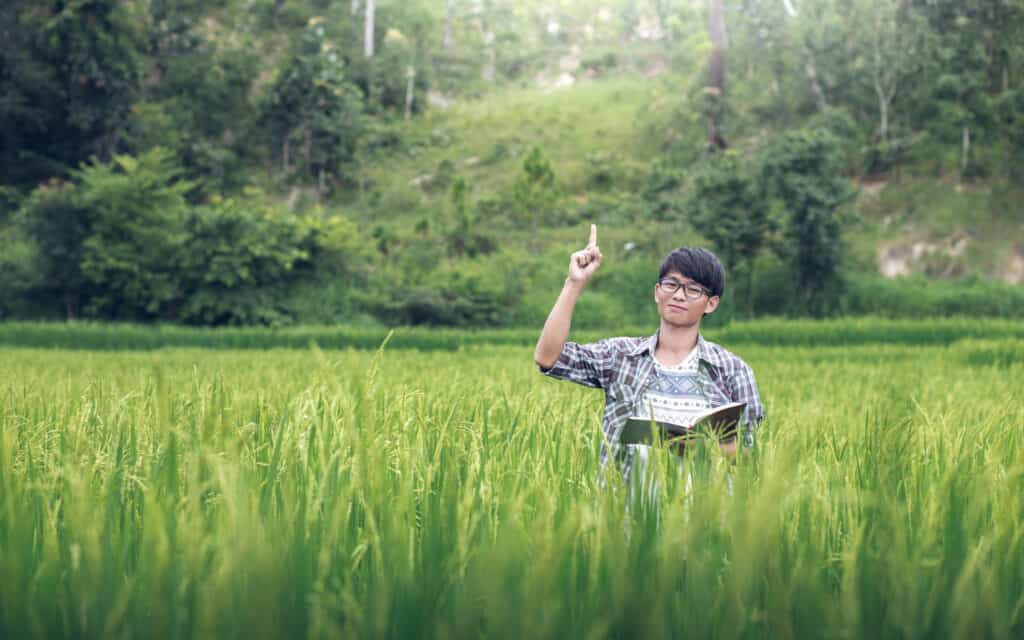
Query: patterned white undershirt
pixel 675 395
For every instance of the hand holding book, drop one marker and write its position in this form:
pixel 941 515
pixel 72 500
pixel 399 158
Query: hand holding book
pixel 722 421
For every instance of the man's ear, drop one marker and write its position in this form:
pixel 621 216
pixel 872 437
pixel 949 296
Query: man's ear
pixel 712 305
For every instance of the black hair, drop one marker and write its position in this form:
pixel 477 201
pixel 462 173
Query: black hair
pixel 698 264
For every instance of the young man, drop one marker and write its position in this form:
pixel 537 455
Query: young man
pixel 675 372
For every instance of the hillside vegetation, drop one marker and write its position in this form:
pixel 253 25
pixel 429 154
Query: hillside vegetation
pixel 311 161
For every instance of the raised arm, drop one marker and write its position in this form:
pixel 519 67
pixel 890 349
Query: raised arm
pixel 582 266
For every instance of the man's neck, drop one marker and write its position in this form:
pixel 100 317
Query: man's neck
pixel 676 342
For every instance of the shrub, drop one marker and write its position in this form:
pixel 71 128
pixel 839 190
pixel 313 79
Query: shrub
pixel 17 275
pixel 727 209
pixel 536 192
pixel 109 244
pixel 245 257
pixel 802 170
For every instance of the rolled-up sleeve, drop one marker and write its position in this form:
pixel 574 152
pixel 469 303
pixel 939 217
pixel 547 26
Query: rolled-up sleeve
pixel 586 364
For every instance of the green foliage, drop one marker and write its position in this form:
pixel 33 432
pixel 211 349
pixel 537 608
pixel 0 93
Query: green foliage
pixel 663 190
pixel 68 73
pixel 202 107
pixel 1010 113
pixel 238 256
pixel 17 276
pixel 57 223
pixel 280 94
pixel 973 56
pixel 313 112
pixel 273 262
pixel 121 243
pixel 727 209
pixel 802 171
pixel 920 297
pixel 536 193
pixel 766 332
pixel 463 235
pixel 132 256
pixel 110 243
pixel 465 293
pixel 403 28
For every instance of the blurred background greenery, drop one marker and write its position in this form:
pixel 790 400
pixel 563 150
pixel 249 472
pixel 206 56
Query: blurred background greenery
pixel 279 162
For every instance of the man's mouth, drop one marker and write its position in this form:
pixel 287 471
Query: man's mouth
pixel 676 307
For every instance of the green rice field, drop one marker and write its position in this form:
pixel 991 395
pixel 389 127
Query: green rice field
pixel 180 483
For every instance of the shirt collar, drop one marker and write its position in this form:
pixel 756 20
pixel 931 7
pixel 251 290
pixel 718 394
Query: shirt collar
pixel 651 343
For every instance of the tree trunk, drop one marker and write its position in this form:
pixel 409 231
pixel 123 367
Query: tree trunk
pixel 663 12
pixel 489 72
pixel 70 306
pixel 355 7
pixel 883 112
pixel 449 10
pixel 965 148
pixel 809 67
pixel 715 89
pixel 368 31
pixel 410 82
pixel 812 75
pixel 307 150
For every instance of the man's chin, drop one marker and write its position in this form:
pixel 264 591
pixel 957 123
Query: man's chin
pixel 678 322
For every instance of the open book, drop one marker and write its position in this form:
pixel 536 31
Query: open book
pixel 721 420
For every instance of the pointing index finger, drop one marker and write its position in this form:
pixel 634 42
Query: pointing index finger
pixel 593 236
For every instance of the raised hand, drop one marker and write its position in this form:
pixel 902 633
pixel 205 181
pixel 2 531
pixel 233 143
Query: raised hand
pixel 584 263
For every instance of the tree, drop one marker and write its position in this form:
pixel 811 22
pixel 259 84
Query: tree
pixel 891 43
pixel 68 74
pixel 197 96
pixel 535 191
pixel 240 282
pixel 131 259
pixel 314 112
pixel 449 17
pixel 973 51
pixel 58 225
pixel 461 235
pixel 368 37
pixel 802 171
pixel 109 243
pixel 810 64
pixel 490 55
pixel 726 208
pixel 714 91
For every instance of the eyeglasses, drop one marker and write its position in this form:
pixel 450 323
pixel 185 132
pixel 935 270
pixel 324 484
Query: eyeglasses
pixel 690 291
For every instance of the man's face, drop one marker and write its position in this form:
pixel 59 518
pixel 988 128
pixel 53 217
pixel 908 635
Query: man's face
pixel 680 307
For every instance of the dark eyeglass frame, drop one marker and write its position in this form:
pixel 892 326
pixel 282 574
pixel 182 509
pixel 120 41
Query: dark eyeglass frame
pixel 690 291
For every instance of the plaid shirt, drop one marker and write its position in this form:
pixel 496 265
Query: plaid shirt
pixel 623 368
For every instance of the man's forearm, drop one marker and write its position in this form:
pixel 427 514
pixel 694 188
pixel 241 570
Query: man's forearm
pixel 556 327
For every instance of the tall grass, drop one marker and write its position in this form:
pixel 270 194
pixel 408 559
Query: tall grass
pixel 767 332
pixel 397 493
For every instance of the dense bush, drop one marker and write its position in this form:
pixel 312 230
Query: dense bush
pixel 120 242
pixel 16 273
pixel 802 172
pixel 109 244
pixel 483 292
pixel 919 297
